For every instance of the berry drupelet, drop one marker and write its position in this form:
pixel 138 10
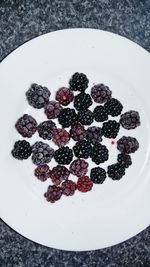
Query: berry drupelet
pixel 77 132
pixel 64 96
pixel 79 167
pixel 63 155
pixel 78 82
pixel 99 153
pixel 85 117
pixel 53 193
pixel 130 120
pixel 69 187
pixel 110 129
pixel 52 109
pixel 125 160
pixel 59 174
pixel 26 125
pixel 127 145
pixel 84 184
pixel 67 117
pixel 98 175
pixel 41 153
pixel 100 114
pixel 42 172
pixel 116 171
pixel 101 93
pixel 38 96
pixel 21 150
pixel 94 134
pixel 113 107
pixel 82 101
pixel 82 149
pixel 45 129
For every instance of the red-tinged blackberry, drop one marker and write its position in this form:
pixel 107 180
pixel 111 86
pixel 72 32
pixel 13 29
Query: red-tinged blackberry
pixel 67 117
pixel 63 155
pixel 52 109
pixel 82 101
pixel 69 187
pixel 98 175
pixel 94 134
pixel 130 120
pixel 84 184
pixel 59 174
pixel 53 193
pixel 64 96
pixel 79 167
pixel 45 129
pixel 60 137
pixel 82 149
pixel 77 132
pixel 85 117
pixel 125 160
pixel 42 153
pixel 113 107
pixel 38 95
pixel 26 125
pixel 127 144
pixel 116 171
pixel 42 172
pixel 21 150
pixel 100 114
pixel 110 129
pixel 78 82
pixel 99 153
pixel 101 93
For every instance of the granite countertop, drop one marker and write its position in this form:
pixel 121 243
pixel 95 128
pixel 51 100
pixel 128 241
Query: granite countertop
pixel 21 21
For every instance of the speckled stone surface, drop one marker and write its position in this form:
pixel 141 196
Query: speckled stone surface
pixel 22 20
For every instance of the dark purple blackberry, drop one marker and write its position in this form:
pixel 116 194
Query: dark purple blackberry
pixel 38 96
pixel 101 93
pixel 64 96
pixel 21 150
pixel 82 149
pixel 69 187
pixel 67 117
pixel 99 153
pixel 59 174
pixel 85 117
pixel 42 153
pixel 116 171
pixel 53 193
pixel 79 167
pixel 113 107
pixel 94 134
pixel 110 129
pixel 63 155
pixel 125 160
pixel 26 125
pixel 52 109
pixel 127 145
pixel 60 137
pixel 98 175
pixel 42 172
pixel 130 120
pixel 77 132
pixel 82 101
pixel 45 129
pixel 78 82
pixel 100 114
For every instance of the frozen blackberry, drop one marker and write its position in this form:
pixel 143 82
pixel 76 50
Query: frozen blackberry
pixel 79 167
pixel 60 137
pixel 21 150
pixel 94 134
pixel 67 117
pixel 100 114
pixel 46 128
pixel 84 184
pixel 52 109
pixel 99 153
pixel 59 174
pixel 101 93
pixel 42 153
pixel 85 117
pixel 116 171
pixel 82 101
pixel 26 125
pixel 113 107
pixel 53 193
pixel 63 155
pixel 78 82
pixel 64 96
pixel 77 132
pixel 42 172
pixel 127 145
pixel 38 95
pixel 130 120
pixel 124 160
pixel 82 149
pixel 69 187
pixel 98 175
pixel 110 129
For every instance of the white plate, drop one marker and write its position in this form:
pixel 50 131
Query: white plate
pixel 112 212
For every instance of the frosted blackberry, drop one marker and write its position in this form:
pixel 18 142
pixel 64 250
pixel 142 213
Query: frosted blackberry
pixel 127 145
pixel 110 129
pixel 63 155
pixel 42 153
pixel 26 125
pixel 21 150
pixel 79 167
pixel 64 96
pixel 67 117
pixel 42 172
pixel 78 82
pixel 100 114
pixel 94 134
pixel 85 117
pixel 124 160
pixel 82 149
pixel 116 171
pixel 53 193
pixel 52 109
pixel 101 93
pixel 45 129
pixel 38 96
pixel 82 101
pixel 130 120
pixel 113 107
pixel 98 175
pixel 99 153
pixel 69 187
pixel 59 174
pixel 60 137
pixel 77 132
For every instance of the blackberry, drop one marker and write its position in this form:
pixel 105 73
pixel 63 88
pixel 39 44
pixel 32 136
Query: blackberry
pixel 116 171
pixel 60 137
pixel 52 109
pixel 63 155
pixel 77 132
pixel 84 184
pixel 21 150
pixel 67 117
pixel 26 125
pixel 42 172
pixel 110 129
pixel 82 101
pixel 42 153
pixel 98 175
pixel 124 160
pixel 100 114
pixel 101 93
pixel 59 174
pixel 94 134
pixel 85 117
pixel 78 82
pixel 79 167
pixel 38 96
pixel 69 187
pixel 130 120
pixel 82 149
pixel 127 145
pixel 99 153
pixel 113 107
pixel 53 193
pixel 46 128
pixel 64 96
